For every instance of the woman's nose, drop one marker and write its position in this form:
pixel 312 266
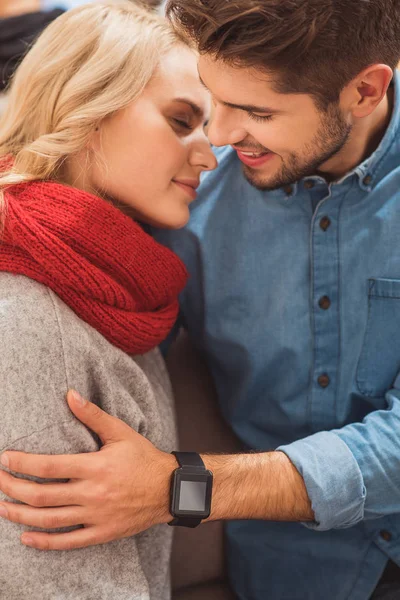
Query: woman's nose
pixel 203 156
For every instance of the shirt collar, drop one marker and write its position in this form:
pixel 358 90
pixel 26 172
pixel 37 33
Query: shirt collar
pixel 367 170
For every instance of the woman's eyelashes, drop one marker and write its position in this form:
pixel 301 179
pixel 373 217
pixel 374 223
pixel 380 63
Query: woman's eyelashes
pixel 183 123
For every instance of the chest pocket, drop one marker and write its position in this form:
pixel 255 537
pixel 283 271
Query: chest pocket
pixel 379 361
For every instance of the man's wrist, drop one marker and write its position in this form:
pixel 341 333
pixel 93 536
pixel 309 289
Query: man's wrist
pixel 245 486
pixel 257 486
pixel 167 466
pixel 229 497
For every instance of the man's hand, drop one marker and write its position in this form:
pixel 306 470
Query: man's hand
pixel 124 488
pixel 117 492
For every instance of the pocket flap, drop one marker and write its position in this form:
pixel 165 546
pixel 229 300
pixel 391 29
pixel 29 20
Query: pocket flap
pixel 384 288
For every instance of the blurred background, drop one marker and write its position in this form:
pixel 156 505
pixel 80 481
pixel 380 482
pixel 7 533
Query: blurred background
pixel 21 21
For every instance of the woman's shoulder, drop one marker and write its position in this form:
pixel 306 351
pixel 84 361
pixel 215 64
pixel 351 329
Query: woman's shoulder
pixel 18 289
pixel 41 336
pixel 32 367
pixel 47 349
pixel 32 317
pixel 26 310
pixel 31 311
pixel 32 314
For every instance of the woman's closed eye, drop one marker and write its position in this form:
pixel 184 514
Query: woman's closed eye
pixel 183 123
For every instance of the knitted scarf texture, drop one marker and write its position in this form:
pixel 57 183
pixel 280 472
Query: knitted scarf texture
pixel 99 261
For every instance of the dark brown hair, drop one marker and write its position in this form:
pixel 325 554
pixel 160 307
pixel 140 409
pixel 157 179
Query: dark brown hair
pixel 313 47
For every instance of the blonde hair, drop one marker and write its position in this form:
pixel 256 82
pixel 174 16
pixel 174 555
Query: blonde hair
pixel 89 63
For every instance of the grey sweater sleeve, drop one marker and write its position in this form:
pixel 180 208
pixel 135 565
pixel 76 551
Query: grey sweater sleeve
pixel 45 350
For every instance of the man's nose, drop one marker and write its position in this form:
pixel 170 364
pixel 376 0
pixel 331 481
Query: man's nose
pixel 224 129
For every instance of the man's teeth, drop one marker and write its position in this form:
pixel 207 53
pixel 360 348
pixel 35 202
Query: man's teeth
pixel 253 154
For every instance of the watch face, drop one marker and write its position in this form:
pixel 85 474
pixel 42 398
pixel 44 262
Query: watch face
pixel 191 494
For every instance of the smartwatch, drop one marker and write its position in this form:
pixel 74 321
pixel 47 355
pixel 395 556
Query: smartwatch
pixel 191 489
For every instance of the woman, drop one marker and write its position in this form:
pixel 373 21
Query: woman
pixel 104 132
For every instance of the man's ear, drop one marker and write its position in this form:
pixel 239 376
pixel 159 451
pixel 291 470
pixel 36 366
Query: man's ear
pixel 365 92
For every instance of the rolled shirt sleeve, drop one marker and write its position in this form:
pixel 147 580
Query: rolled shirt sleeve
pixel 332 477
pixel 352 473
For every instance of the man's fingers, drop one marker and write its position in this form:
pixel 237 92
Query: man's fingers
pixel 39 495
pixel 108 428
pixel 45 518
pixel 70 466
pixel 45 466
pixel 80 538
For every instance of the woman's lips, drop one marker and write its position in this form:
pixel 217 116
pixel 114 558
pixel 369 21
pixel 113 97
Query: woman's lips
pixel 189 189
pixel 254 161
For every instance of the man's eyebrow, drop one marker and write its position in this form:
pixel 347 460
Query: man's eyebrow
pixel 246 107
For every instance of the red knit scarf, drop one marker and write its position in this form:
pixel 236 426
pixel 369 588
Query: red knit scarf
pixel 97 260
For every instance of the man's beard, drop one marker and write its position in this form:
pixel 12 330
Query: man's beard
pixel 332 135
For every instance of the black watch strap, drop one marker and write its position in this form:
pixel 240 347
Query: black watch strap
pixel 189 459
pixel 185 522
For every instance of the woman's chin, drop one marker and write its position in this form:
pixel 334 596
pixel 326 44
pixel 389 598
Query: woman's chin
pixel 175 221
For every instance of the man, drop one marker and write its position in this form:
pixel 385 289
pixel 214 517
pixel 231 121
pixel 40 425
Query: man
pixel 293 249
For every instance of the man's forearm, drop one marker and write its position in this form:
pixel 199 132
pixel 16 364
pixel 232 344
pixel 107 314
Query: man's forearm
pixel 124 488
pixel 257 486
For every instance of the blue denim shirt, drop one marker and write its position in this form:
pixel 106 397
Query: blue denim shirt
pixel 294 297
pixel 50 4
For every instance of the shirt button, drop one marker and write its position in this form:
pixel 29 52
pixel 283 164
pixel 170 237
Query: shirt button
pixel 367 180
pixel 309 185
pixel 323 380
pixel 288 189
pixel 325 223
pixel 324 302
pixel 386 535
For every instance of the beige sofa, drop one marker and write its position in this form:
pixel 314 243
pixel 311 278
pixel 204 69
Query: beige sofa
pixel 198 565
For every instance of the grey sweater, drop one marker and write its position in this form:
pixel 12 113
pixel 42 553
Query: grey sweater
pixel 45 350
